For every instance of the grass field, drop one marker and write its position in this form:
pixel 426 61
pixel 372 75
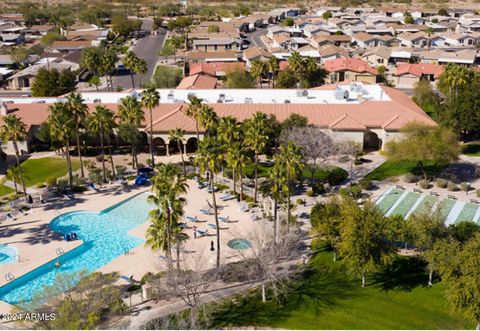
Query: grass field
pixel 263 168
pixel 397 168
pixel 326 298
pixel 4 190
pixel 38 170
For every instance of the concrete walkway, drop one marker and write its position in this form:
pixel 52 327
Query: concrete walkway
pixel 30 190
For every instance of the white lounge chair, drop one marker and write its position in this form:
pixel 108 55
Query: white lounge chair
pixel 201 233
pixel 226 197
pixel 224 219
pixel 206 210
pixel 192 219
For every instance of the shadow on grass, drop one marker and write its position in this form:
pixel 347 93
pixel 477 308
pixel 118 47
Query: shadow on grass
pixel 405 273
pixel 320 286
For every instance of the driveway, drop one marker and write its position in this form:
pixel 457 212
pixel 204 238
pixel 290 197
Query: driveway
pixel 255 39
pixel 147 49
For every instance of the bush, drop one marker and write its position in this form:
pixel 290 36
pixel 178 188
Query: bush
pixel 464 186
pixel 452 186
pixel 40 185
pixel 51 181
pixel 343 159
pixel 300 202
pixel 441 183
pixel 166 77
pixel 425 184
pixel 310 193
pixel 336 176
pixel 62 184
pixel 409 178
pixel 120 170
pixel 357 162
pixel 318 188
pixel 356 191
pixel 365 184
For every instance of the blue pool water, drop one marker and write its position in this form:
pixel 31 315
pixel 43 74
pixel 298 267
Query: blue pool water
pixel 8 254
pixel 105 236
pixel 239 244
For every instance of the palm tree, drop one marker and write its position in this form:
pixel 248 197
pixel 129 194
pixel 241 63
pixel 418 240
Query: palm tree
pixel 179 237
pixel 130 62
pixel 429 32
pixel 256 139
pixel 13 174
pixel 258 69
pixel 297 64
pixel 209 158
pixel 131 114
pixel 177 135
pixel 168 186
pixel 15 130
pixel 150 100
pixel 276 179
pixel 141 69
pixel 79 111
pixel 193 111
pixel 237 160
pixel 98 123
pixel 290 158
pixel 228 130
pixel 207 117
pixel 91 60
pixel 273 67
pixel 62 125
pixel 108 61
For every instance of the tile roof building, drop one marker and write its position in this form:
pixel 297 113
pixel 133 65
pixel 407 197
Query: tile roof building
pixel 367 114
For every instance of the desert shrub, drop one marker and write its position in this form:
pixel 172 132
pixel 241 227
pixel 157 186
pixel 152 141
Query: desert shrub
pixel 409 177
pixel 310 193
pixel 441 183
pixel 336 176
pixel 425 184
pixel 120 170
pixel 51 181
pixel 451 186
pixel 356 191
pixel 357 162
pixel 464 186
pixel 365 184
pixel 40 185
pixel 300 202
pixel 318 188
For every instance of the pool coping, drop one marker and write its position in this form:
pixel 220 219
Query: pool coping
pixel 51 256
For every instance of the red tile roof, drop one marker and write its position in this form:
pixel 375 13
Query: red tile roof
pixel 212 68
pixel 419 69
pixel 349 64
pixel 198 81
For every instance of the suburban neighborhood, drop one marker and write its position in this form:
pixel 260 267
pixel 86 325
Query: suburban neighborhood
pixel 204 166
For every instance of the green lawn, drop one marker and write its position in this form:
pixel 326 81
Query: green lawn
pixel 405 205
pixel 467 213
pixel 4 190
pixel 390 199
pixel 326 298
pixel 320 174
pixel 426 205
pixel 38 170
pixel 397 168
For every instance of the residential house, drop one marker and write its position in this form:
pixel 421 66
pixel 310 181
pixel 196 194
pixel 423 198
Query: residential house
pixel 332 52
pixel 408 74
pixel 215 69
pixel 23 79
pixel 459 39
pixel 216 44
pixel 467 57
pixel 401 54
pixel 255 53
pixel 379 55
pixel 350 69
pixel 413 39
pixel 198 81
pixel 308 51
pixel 65 46
pixel 205 57
pixel 291 43
pixel 365 40
pixel 334 40
pixel 278 31
pixel 468 23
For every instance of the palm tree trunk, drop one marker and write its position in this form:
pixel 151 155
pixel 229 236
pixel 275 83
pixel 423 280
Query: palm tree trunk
pixel 134 149
pixel 363 279
pixel 17 159
pixel 69 164
pixel 430 277
pixel 241 185
pixel 214 202
pixel 334 255
pixel 77 133
pixel 275 221
pixel 103 157
pixel 289 207
pixel 131 76
pixel 181 155
pixel 264 293
pixel 234 182
pixel 178 255
pixel 151 139
pixel 256 178
pixel 198 134
pixel 111 156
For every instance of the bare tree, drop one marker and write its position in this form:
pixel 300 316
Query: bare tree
pixel 351 149
pixel 316 145
pixel 269 264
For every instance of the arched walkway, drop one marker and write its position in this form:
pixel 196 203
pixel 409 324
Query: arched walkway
pixel 159 146
pixel 371 141
pixel 173 147
pixel 192 145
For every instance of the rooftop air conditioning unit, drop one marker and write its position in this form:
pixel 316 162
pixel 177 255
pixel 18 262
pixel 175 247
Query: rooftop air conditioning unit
pixel 97 100
pixel 338 93
pixel 190 96
pixel 248 100
pixel 287 101
pixel 221 97
pixel 302 93
pixel 346 95
pixel 41 101
pixel 170 96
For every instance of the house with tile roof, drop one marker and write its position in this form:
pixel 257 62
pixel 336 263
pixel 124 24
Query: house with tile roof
pixel 368 114
pixel 198 81
pixel 408 74
pixel 350 69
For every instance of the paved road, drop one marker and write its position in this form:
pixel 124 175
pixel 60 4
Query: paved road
pixel 254 37
pixel 147 49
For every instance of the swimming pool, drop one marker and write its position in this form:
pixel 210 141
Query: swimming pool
pixel 8 254
pixel 239 244
pixel 105 236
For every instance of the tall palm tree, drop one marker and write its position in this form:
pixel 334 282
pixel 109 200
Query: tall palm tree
pixel 237 160
pixel 193 111
pixel 108 61
pixel 256 139
pixel 141 69
pixel 177 135
pixel 290 158
pixel 79 111
pixel 258 69
pixel 131 114
pixel 276 179
pixel 429 32
pixel 98 123
pixel 130 62
pixel 207 117
pixel 273 67
pixel 150 100
pixel 13 129
pixel 297 64
pixel 91 60
pixel 179 237
pixel 168 188
pixel 62 126
pixel 228 130
pixel 209 158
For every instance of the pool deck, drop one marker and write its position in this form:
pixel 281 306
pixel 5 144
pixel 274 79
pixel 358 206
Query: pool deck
pixel 37 244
